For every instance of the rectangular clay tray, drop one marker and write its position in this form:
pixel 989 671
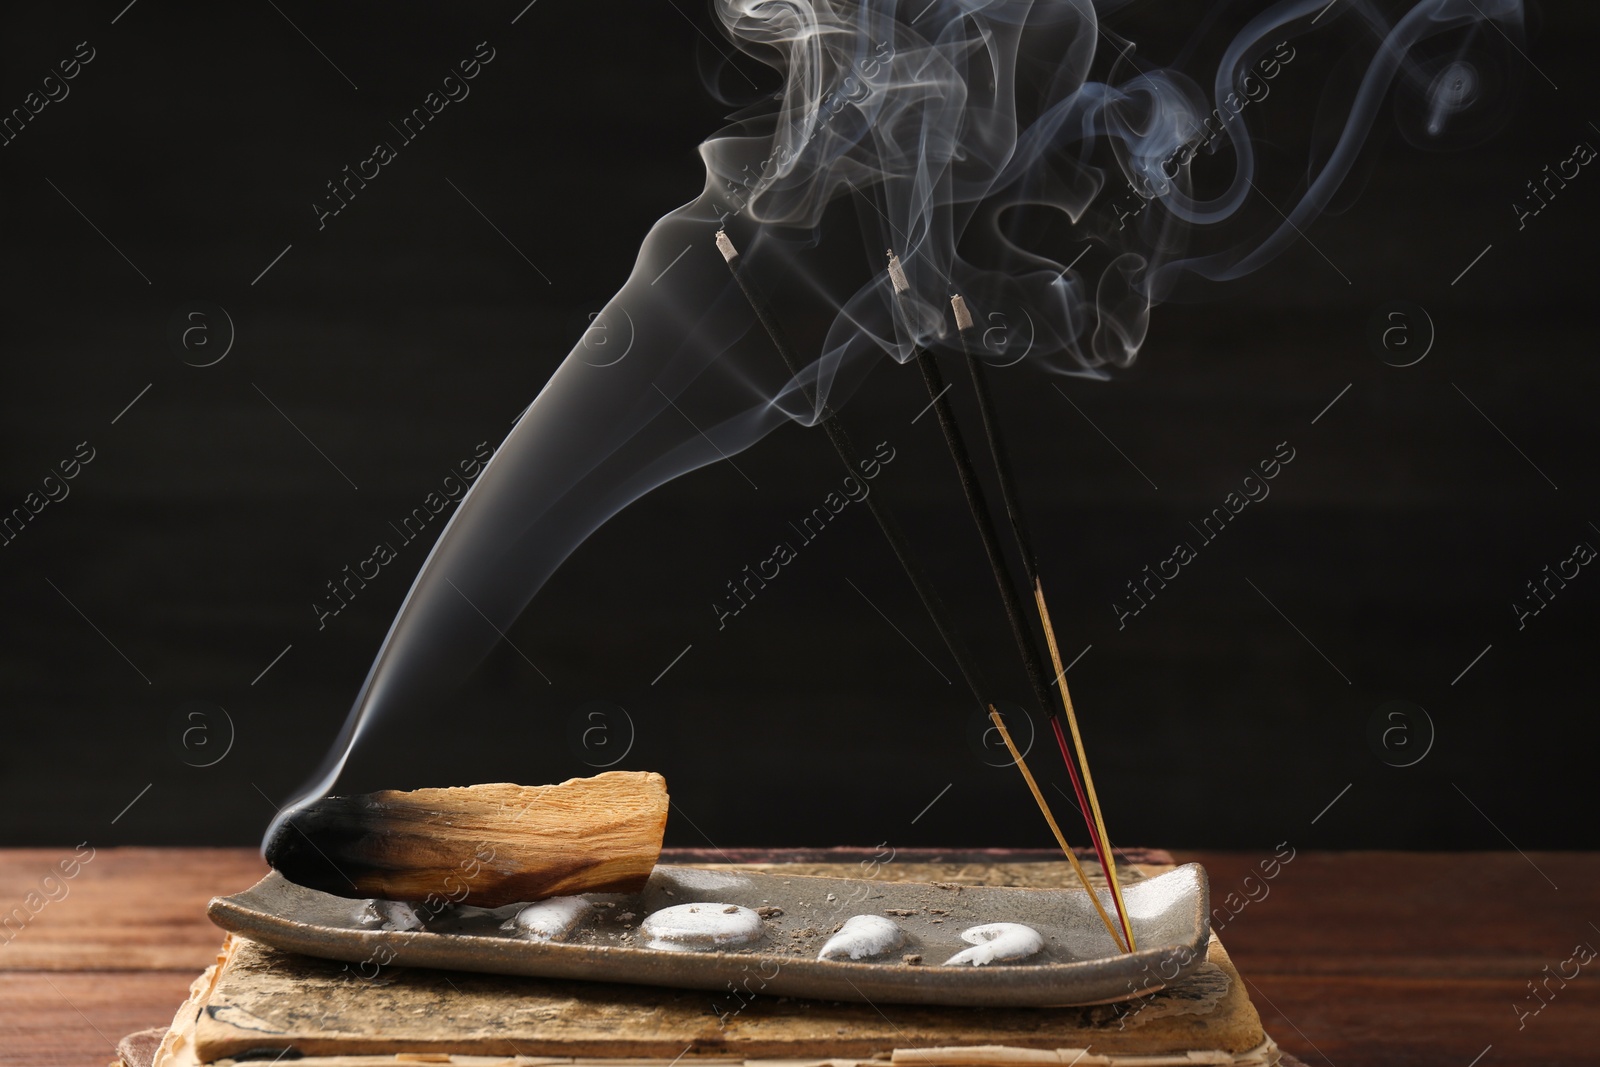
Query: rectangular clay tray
pixel 1170 914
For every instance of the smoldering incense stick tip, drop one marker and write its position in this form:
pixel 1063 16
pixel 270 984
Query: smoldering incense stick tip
pixel 897 274
pixel 725 246
pixel 963 316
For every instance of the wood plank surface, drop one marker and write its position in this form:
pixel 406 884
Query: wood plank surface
pixel 1416 958
pixel 128 909
pixel 1352 958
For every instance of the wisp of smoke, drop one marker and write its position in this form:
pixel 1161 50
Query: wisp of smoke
pixel 963 132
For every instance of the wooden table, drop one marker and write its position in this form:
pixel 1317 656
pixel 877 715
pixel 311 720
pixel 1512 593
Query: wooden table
pixel 1352 958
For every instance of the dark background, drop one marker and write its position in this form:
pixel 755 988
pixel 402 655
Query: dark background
pixel 1245 706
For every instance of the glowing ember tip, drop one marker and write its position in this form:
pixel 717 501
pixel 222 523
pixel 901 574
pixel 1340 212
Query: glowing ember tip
pixel 725 246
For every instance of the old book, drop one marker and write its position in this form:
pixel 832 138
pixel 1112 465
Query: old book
pixel 257 1002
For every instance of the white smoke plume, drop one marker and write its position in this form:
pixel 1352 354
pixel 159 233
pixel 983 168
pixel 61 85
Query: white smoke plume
pixel 1018 153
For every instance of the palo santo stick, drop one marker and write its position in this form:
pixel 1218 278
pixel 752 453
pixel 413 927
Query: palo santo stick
pixel 1109 862
pixel 1049 817
pixel 486 845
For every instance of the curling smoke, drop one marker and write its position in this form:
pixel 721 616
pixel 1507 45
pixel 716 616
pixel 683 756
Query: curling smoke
pixel 1016 152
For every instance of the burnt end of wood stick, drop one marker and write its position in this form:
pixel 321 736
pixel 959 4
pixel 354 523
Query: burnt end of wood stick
pixel 486 845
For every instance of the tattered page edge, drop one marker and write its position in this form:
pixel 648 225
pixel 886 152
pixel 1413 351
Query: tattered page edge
pixel 1267 1054
pixel 177 1048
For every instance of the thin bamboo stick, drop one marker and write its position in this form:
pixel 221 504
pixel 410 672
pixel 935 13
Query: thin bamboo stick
pixel 1083 758
pixel 1049 817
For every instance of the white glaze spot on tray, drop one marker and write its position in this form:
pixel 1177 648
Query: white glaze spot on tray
pixel 703 925
pixel 862 937
pixel 997 943
pixel 550 918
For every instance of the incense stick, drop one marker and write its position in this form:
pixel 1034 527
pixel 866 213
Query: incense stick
pixel 992 431
pixel 840 440
pixel 977 504
pixel 1044 808
pixel 979 508
pixel 1090 804
pixel 925 591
